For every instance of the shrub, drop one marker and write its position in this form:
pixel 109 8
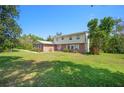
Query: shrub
pixel 94 50
pixel 66 50
pixel 75 51
pixel 116 45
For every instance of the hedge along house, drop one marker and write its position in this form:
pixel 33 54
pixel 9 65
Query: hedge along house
pixel 75 42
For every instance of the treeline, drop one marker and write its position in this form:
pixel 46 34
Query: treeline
pixel 106 35
pixel 27 41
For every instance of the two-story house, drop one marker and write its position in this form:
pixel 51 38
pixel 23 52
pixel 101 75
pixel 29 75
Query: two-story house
pixel 74 42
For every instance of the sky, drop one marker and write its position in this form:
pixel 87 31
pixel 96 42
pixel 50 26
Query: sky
pixel 47 20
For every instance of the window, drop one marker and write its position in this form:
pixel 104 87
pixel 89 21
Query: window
pixel 70 38
pixel 78 37
pixel 77 47
pixel 72 47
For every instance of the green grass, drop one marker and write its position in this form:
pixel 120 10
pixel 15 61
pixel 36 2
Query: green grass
pixel 21 68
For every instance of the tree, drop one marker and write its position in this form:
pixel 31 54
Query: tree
pixel 34 37
pixel 100 33
pixel 101 36
pixel 9 28
pixel 94 36
pixel 106 26
pixel 49 38
pixel 116 44
pixel 27 41
pixel 118 27
pixel 113 42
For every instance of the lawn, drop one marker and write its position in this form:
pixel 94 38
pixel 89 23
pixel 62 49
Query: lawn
pixel 23 68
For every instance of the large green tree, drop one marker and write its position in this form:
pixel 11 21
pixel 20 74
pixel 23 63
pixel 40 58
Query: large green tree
pixel 9 28
pixel 94 36
pixel 116 41
pixel 99 33
pixel 106 35
pixel 106 26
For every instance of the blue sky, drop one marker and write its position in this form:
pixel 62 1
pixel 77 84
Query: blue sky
pixel 47 20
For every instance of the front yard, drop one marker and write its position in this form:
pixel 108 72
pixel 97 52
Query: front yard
pixel 22 68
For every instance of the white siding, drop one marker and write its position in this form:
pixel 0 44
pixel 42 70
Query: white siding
pixel 87 43
pixel 75 39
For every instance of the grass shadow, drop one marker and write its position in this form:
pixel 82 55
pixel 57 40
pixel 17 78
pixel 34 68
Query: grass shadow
pixel 75 75
pixel 15 71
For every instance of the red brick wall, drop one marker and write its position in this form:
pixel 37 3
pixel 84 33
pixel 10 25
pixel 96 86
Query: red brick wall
pixel 82 48
pixel 55 47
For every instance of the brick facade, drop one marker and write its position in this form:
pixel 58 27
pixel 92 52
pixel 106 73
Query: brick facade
pixel 60 47
pixel 82 48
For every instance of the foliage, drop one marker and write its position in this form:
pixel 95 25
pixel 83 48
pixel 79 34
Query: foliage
pixel 106 25
pixel 95 35
pixel 34 37
pixel 66 50
pixel 116 44
pixel 27 41
pixel 105 35
pixel 9 28
pixel 118 27
pixel 49 38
